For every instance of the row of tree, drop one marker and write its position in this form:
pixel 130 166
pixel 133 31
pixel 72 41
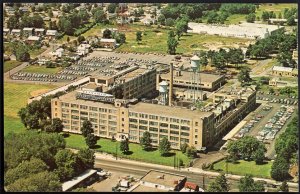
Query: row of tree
pixel 39 162
pixel 286 147
pixel 16 22
pixel 246 184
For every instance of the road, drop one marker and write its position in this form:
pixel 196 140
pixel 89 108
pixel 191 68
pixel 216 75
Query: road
pixel 200 177
pixel 259 69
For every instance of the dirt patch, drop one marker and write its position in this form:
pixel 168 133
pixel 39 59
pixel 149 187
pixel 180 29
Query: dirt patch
pixel 38 92
pixel 159 34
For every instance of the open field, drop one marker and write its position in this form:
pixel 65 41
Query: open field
pixel 41 69
pixel 137 153
pixel 15 97
pixel 245 167
pixel 8 65
pixel 235 19
pixel 36 52
pixel 277 8
pixel 155 40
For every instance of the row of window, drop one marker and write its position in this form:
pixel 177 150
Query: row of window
pixel 83 107
pixel 154 117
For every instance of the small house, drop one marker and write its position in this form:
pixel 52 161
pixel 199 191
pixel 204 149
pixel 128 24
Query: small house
pixel 50 34
pixel 27 32
pixel 58 53
pixel 83 49
pixel 42 61
pixel 108 43
pixel 39 31
pixel 16 32
pixel 113 30
pixel 24 9
pixel 32 39
pixel 5 31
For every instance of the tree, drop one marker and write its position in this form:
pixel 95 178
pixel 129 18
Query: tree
pixel 146 141
pixel 50 13
pixel 265 16
pixel 80 39
pixel 13 22
pixel 164 146
pixel 86 158
pixel 91 140
pixel 172 43
pixel 99 16
pixel 138 36
pixel 122 38
pixel 247 184
pixel 170 22
pixel 107 33
pixel 22 54
pixel 191 152
pixel 183 147
pixel 212 17
pixel 284 187
pixel 219 184
pixel 250 18
pixel 162 19
pixel 40 182
pixel 280 169
pixel 87 128
pixel 57 125
pixel 66 163
pixel 37 21
pixel 112 8
pixel 290 21
pixel 124 146
pixel 259 156
pixel 244 75
pixel 181 27
pixel 24 170
pixel 40 145
pixel 218 60
pixel 279 15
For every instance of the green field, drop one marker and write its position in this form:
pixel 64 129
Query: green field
pixel 36 52
pixel 277 8
pixel 245 167
pixel 106 145
pixel 41 69
pixel 9 65
pixel 155 40
pixel 15 97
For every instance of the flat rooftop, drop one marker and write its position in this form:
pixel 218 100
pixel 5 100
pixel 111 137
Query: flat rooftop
pixel 186 76
pixel 143 188
pixel 169 179
pixel 69 184
pixel 167 110
pixel 134 74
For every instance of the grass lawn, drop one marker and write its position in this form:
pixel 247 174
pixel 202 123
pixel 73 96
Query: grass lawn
pixel 41 69
pixel 34 53
pixel 245 167
pixel 235 19
pixel 277 8
pixel 15 97
pixel 8 65
pixel 155 40
pixel 137 153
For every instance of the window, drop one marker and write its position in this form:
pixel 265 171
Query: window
pixel 132 114
pixel 174 132
pixel 163 130
pixel 74 105
pixel 83 107
pixel 153 123
pixel 102 109
pixel 196 130
pixel 153 135
pixel 65 110
pixel 174 138
pixel 74 111
pixel 196 124
pixel 133 120
pixel 133 126
pixel 185 140
pixel 111 117
pixel 55 102
pixel 112 111
pixel 184 134
pixel 196 142
pixel 92 114
pixel 65 115
pixel 84 113
pixel 153 117
pixel 174 126
pixel 112 123
pixel 164 125
pixel 196 136
pixel 83 118
pixel 122 119
pixel 93 108
pixel 94 120
pixel 103 116
pixel 144 122
pixel 143 127
pixel 185 128
pixel 75 117
pixel 164 118
pixel 153 129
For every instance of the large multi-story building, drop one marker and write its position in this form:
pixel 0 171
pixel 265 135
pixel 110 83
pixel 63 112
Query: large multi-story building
pixel 110 103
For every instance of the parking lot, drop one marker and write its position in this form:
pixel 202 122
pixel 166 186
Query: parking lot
pixel 266 123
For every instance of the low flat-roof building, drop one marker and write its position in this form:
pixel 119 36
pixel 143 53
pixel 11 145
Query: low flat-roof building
pixel 87 176
pixel 209 82
pixel 6 31
pixel 284 71
pixel 15 32
pixel 32 39
pixel 108 43
pixel 39 31
pixel 159 181
pixel 27 32
pixel 50 34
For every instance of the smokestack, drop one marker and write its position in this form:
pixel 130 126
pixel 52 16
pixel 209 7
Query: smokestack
pixel 171 85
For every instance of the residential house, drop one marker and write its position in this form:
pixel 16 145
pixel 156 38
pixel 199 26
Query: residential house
pixel 27 32
pixel 51 34
pixel 108 43
pixel 6 32
pixel 39 31
pixel 284 71
pixel 24 9
pixel 83 49
pixel 32 39
pixel 16 32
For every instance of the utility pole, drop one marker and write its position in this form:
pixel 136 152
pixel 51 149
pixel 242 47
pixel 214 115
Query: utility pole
pixel 174 162
pixel 203 182
pixel 116 151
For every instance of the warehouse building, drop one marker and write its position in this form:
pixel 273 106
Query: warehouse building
pixel 284 71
